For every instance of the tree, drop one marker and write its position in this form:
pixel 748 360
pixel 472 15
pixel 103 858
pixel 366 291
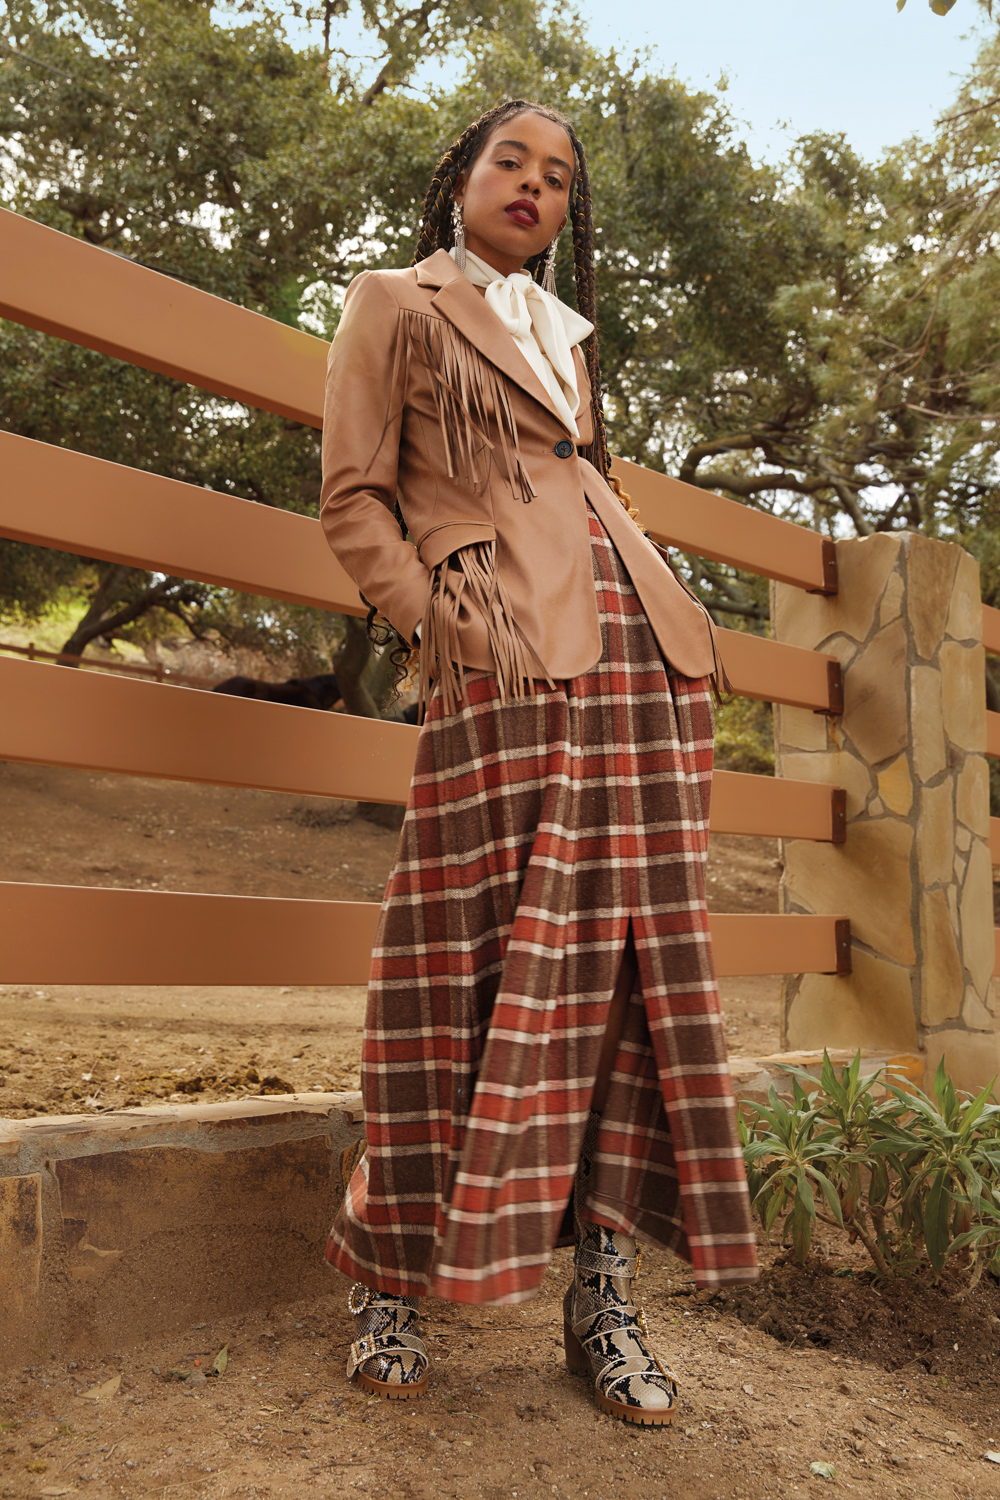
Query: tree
pixel 215 153
pixel 817 340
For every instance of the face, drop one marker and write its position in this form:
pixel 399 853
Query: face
pixel 515 199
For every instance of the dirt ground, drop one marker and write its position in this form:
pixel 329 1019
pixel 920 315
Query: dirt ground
pixel 895 1389
pixel 503 1420
pixel 71 1049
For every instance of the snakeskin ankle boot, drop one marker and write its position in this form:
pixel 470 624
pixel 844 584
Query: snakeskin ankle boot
pixel 605 1334
pixel 388 1357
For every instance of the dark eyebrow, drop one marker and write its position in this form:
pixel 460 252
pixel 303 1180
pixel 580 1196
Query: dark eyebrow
pixel 555 160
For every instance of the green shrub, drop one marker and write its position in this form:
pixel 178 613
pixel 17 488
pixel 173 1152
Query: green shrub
pixel 744 737
pixel 915 1179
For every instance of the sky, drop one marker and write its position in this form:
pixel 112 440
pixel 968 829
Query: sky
pixel 800 65
pixel 793 66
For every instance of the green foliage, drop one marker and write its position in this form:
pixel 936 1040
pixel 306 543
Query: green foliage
pixel 819 340
pixel 939 7
pixel 32 578
pixel 744 736
pixel 915 1178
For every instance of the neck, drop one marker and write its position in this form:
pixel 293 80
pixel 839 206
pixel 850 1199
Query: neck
pixel 503 264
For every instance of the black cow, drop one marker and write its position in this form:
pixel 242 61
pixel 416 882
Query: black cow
pixel 300 692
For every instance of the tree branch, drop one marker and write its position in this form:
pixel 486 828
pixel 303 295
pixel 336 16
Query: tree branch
pixel 420 19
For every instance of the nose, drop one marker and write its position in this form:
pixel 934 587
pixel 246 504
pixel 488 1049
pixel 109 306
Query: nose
pixel 531 185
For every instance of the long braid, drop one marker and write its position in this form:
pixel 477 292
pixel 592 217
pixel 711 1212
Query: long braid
pixel 586 301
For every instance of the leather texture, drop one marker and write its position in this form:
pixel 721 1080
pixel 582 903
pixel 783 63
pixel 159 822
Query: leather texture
pixel 605 1330
pixel 605 1334
pixel 429 399
pixel 387 1347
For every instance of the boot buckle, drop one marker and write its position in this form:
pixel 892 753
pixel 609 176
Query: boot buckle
pixel 358 1298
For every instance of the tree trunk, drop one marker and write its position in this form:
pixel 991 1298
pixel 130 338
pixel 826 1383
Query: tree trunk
pixel 380 676
pixel 92 623
pixel 350 666
pixel 102 616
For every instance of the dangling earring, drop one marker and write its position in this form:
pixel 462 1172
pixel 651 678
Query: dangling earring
pixel 549 274
pixel 458 230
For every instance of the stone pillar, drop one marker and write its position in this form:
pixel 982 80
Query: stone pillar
pixel 914 875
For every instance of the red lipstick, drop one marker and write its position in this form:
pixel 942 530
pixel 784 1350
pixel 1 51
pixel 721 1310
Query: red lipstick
pixel 523 212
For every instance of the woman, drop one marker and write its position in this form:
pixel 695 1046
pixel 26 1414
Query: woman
pixel 542 1021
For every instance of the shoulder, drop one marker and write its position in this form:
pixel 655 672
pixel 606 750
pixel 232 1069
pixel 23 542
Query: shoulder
pixel 398 287
pixel 373 306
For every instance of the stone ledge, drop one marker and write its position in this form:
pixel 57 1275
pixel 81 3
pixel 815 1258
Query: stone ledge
pixel 24 1143
pixel 121 1227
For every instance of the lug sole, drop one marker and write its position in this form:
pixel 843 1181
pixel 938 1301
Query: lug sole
pixel 392 1390
pixel 638 1416
pixel 577 1363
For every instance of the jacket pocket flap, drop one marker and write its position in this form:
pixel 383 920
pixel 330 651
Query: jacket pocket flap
pixel 440 541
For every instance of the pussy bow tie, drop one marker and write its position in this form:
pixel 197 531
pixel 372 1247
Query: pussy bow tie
pixel 544 329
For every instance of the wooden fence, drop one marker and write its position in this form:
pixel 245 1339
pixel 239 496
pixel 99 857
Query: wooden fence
pixel 54 497
pixel 159 673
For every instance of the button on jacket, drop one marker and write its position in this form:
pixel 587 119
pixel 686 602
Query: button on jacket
pixel 429 401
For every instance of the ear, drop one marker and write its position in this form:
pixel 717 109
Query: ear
pixel 458 190
pixel 562 226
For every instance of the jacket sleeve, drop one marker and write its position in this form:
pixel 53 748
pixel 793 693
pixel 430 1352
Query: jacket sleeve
pixel 362 424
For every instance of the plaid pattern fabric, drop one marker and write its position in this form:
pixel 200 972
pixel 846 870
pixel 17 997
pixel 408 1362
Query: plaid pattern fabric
pixel 536 831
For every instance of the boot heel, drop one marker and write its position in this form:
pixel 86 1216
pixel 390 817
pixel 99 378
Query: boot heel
pixel 576 1356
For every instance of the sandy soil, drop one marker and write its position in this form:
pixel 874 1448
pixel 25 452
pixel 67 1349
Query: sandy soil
pixel 897 1390
pixel 68 1049
pixel 502 1419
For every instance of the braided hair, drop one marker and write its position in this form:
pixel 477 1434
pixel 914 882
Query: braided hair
pixel 437 233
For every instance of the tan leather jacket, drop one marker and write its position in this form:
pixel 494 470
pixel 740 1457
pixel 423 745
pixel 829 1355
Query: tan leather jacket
pixel 429 400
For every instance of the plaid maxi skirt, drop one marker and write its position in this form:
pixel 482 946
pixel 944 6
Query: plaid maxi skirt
pixel 536 832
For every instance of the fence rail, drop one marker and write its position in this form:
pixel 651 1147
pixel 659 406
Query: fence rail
pixel 60 718
pixel 686 516
pixel 104 301
pixel 95 935
pixel 130 669
pixel 57 498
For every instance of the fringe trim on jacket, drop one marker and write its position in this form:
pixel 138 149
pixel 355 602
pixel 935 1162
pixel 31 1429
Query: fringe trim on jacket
pixel 516 664
pixel 721 686
pixel 468 393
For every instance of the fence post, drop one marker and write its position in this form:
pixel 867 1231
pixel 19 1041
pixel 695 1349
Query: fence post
pixel 914 875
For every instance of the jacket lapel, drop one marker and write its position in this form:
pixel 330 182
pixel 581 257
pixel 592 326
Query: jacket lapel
pixel 458 301
pixel 584 417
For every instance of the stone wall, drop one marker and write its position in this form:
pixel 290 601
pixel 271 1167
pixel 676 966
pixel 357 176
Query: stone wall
pixel 914 875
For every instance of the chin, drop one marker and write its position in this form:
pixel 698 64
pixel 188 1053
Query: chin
pixel 514 245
